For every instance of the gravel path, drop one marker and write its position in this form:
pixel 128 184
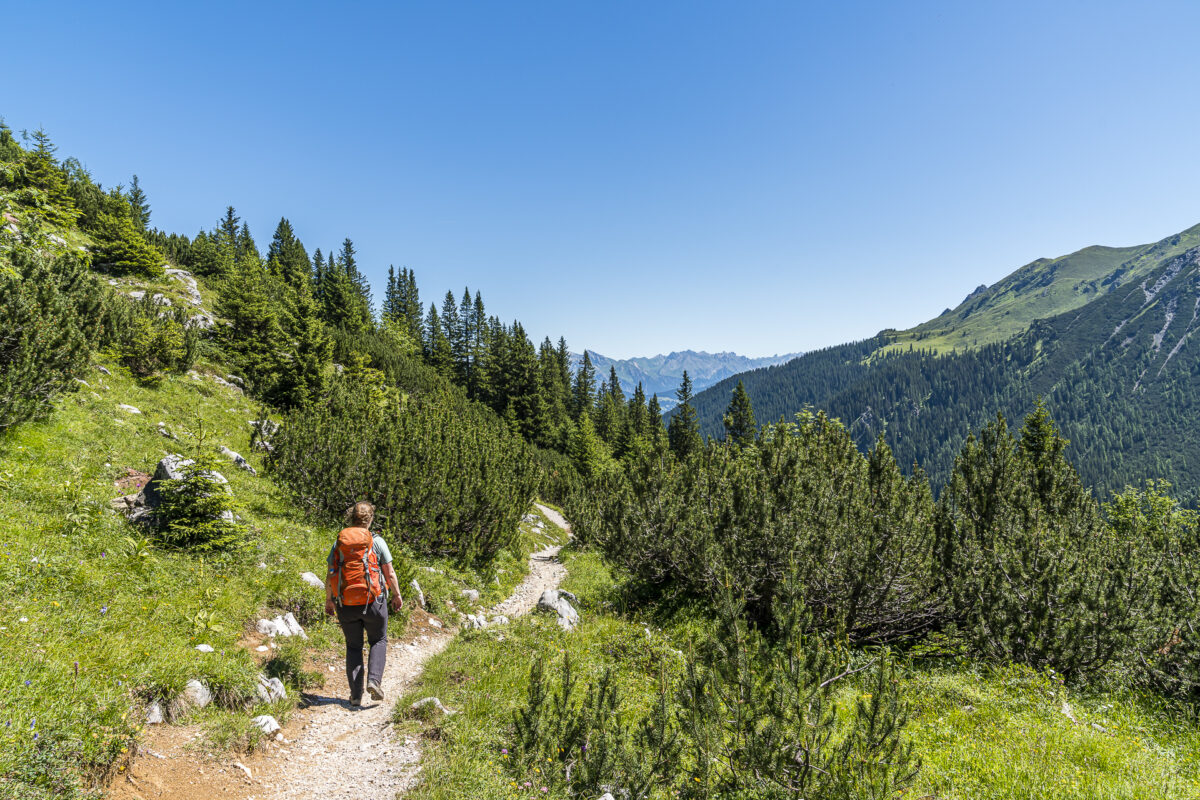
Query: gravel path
pixel 340 754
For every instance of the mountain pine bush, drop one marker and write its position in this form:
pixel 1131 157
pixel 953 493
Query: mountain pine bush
pixel 749 716
pixel 445 480
pixel 1033 573
pixel 50 322
pixel 802 505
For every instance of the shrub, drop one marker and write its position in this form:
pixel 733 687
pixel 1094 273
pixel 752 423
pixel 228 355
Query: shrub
pixel 1167 649
pixel 121 248
pixel 49 325
pixel 1033 573
pixel 444 479
pixel 152 341
pixel 803 504
pixel 751 717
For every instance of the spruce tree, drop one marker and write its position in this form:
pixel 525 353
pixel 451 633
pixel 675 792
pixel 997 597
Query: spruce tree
pixel 362 309
pixel 452 324
pixel 246 247
pixel 42 172
pixel 255 337
pixel 287 259
pixel 393 304
pixel 637 413
pixel 437 347
pixel 585 448
pixel 740 425
pixel 585 386
pixel 226 237
pixel 684 431
pixel 139 207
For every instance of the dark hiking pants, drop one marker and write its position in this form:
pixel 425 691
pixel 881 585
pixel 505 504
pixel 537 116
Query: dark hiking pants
pixel 355 620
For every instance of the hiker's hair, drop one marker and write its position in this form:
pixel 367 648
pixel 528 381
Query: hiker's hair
pixel 361 514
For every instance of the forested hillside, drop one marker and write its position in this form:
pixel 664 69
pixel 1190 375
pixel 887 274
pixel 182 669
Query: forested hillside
pixel 1120 374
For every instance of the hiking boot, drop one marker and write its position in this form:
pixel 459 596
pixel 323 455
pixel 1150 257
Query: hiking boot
pixel 374 690
pixel 356 702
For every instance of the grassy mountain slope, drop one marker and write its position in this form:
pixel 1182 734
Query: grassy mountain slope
pixel 96 621
pixel 1121 375
pixel 1044 288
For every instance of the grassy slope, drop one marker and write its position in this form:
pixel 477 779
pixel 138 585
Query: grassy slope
pixel 84 588
pixel 982 733
pixel 1039 290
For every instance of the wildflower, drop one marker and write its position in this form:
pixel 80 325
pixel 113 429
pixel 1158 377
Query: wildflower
pixel 28 682
pixel 544 790
pixel 103 610
pixel 504 751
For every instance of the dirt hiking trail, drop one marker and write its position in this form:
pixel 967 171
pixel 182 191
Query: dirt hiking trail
pixel 321 739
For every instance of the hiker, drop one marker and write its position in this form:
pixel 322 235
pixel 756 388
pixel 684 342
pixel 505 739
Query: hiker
pixel 359 564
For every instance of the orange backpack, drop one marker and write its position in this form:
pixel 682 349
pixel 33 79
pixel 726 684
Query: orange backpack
pixel 359 579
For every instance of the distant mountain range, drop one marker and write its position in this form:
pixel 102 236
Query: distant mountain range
pixel 1107 336
pixel 660 375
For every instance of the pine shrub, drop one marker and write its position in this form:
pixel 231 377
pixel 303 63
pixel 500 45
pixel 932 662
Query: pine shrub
pixel 1167 539
pixel 444 478
pixel 749 716
pixel 152 341
pixel 1033 573
pixel 803 504
pixel 50 322
pixel 578 740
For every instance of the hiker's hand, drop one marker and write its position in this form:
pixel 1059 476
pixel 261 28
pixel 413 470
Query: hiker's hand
pixel 329 609
pixel 397 602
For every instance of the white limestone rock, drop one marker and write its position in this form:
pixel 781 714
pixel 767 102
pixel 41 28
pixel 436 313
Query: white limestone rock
pixel 267 724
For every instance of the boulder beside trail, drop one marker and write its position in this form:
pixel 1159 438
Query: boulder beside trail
pixel 266 723
pixel 431 701
pixel 283 625
pixel 312 580
pixel 557 602
pixel 195 695
pixel 270 689
pixel 238 459
pixel 470 595
pixel 420 595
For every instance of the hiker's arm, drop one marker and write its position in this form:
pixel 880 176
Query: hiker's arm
pixel 389 574
pixel 330 587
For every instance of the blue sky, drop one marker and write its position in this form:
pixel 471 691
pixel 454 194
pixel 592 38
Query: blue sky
pixel 641 177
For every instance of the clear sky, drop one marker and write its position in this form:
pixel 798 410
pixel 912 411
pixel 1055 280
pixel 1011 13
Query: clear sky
pixel 641 177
